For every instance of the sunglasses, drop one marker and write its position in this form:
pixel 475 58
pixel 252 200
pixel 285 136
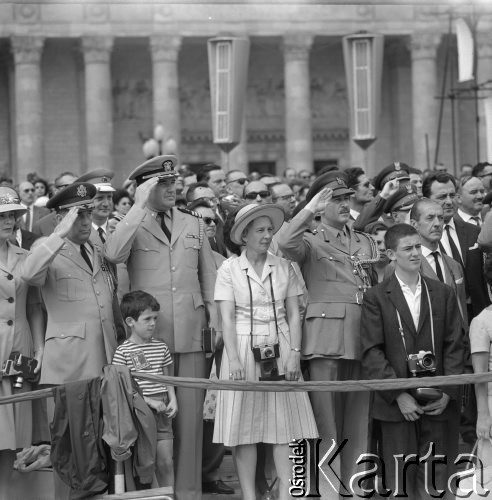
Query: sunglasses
pixel 317 218
pixel 287 197
pixel 209 220
pixel 254 194
pixel 241 181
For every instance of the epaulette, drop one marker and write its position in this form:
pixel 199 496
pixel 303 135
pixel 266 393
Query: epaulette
pixel 189 212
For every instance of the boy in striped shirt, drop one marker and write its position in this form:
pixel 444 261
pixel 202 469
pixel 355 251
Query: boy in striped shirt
pixel 142 352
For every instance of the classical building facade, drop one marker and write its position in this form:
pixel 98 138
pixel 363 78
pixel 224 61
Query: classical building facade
pixel 82 83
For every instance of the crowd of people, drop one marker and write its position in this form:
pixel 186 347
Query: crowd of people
pixel 322 277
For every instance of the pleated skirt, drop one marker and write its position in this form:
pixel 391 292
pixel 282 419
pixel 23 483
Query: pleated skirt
pixel 247 417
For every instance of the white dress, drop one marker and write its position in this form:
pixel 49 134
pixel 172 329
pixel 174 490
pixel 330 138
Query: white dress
pixel 481 341
pixel 254 417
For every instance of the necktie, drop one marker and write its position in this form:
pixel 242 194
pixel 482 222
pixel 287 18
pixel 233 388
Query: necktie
pixel 438 266
pixel 85 256
pixel 100 230
pixel 164 227
pixel 454 249
pixel 28 220
pixel 476 219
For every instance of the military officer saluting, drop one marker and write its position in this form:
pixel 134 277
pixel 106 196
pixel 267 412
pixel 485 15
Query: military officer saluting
pixel 168 255
pixel 334 263
pixel 77 290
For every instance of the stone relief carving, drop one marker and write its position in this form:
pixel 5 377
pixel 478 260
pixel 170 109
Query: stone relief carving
pixel 132 99
pixel 329 99
pixel 27 13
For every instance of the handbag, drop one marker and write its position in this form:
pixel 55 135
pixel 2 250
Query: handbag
pixel 210 403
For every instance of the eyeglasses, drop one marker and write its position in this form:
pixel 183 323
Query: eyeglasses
pixel 28 190
pixel 209 220
pixel 317 218
pixel 240 181
pixel 254 194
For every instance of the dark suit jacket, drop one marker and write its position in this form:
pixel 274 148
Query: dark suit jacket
pixel 383 353
pixel 473 260
pixel 28 239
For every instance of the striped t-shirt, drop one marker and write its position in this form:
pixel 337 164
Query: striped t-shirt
pixel 150 357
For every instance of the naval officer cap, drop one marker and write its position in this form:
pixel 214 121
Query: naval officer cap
pixel 101 178
pixel 163 166
pixel 335 180
pixel 78 194
pixel 403 199
pixel 396 170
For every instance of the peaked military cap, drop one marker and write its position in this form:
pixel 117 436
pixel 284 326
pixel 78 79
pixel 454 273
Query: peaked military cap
pixel 101 178
pixel 163 166
pixel 78 194
pixel 335 180
pixel 404 198
pixel 396 170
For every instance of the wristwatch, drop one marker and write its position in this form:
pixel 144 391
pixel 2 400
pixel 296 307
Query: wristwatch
pixel 296 349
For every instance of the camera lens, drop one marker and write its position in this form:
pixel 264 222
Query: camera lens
pixel 427 361
pixel 268 353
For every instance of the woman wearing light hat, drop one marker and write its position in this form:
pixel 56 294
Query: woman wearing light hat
pixel 258 297
pixel 21 331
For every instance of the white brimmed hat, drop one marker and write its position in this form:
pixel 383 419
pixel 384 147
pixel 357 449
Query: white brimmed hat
pixel 10 202
pixel 252 212
pixel 101 178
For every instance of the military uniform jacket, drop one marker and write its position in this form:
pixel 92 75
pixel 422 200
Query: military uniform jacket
pixel 335 283
pixel 80 335
pixel 180 274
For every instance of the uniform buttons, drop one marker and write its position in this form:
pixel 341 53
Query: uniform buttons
pixel 331 258
pixel 94 280
pixel 10 277
pixel 62 335
pixel 101 306
pixel 174 289
pixel 98 293
pixel 10 322
pixel 360 287
pixel 173 268
pixel 10 300
pixel 323 315
pixel 354 271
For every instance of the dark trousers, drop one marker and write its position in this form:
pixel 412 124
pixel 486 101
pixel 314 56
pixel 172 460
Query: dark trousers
pixel 414 438
pixel 188 428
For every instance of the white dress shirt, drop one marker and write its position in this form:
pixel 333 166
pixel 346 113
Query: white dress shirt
pixel 24 217
pixel 104 227
pixel 454 236
pixel 468 218
pixel 354 214
pixel 427 253
pixel 413 299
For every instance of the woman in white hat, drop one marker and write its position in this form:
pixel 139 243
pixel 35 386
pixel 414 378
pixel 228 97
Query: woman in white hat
pixel 258 297
pixel 21 331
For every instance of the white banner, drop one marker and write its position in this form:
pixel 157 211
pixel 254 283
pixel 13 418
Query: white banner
pixel 466 50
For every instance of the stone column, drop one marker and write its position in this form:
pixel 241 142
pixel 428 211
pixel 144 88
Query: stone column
pixel 164 51
pixel 484 73
pixel 423 48
pixel 98 101
pixel 298 136
pixel 28 105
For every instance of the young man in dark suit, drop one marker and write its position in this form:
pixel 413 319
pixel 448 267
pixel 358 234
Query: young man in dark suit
pixel 404 315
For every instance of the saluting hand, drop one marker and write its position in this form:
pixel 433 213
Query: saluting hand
pixel 390 188
pixel 63 228
pixel 143 191
pixel 319 200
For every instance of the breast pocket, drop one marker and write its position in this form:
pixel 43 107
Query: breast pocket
pixel 327 265
pixel 70 287
pixel 191 247
pixel 146 258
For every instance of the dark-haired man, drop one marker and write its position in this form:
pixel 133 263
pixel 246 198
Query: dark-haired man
pixel 214 176
pixel 403 316
pixel 363 190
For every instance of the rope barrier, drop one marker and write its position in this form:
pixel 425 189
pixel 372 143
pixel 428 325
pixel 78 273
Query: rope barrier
pixel 284 386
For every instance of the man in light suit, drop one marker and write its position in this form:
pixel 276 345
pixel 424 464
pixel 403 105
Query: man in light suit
pixel 77 291
pixel 334 265
pixel 403 315
pixel 168 255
